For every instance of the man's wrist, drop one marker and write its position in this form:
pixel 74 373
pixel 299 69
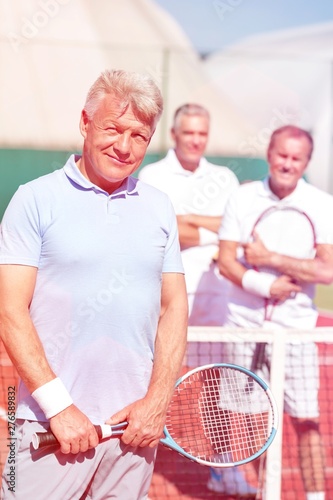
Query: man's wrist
pixel 52 397
pixel 258 283
pixel 207 237
pixel 275 261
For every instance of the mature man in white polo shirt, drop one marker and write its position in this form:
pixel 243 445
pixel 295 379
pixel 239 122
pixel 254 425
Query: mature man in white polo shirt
pixel 290 284
pixel 199 191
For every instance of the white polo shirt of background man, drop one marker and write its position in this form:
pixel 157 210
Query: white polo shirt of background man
pixel 199 191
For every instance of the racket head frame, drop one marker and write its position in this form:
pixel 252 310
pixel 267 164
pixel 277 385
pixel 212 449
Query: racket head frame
pixel 269 304
pixel 277 208
pixel 170 442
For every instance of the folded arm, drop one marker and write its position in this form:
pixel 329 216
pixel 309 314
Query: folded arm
pixel 316 270
pixel 189 226
pixel 277 288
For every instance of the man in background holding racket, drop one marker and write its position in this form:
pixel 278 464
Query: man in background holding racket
pixel 93 305
pixel 275 284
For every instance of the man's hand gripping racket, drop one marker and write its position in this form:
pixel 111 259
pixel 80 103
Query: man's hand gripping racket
pixel 221 415
pixel 285 230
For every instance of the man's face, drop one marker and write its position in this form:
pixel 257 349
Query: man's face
pixel 288 158
pixel 190 137
pixel 115 143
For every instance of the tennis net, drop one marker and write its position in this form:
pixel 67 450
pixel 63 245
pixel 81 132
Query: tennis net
pixel 280 478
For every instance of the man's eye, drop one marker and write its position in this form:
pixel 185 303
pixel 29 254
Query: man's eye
pixel 141 137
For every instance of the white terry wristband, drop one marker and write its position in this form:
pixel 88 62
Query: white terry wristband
pixel 207 237
pixel 52 397
pixel 258 283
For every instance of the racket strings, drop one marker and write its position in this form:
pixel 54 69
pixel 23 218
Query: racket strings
pixel 183 418
pixel 234 424
pixel 288 231
pixel 220 415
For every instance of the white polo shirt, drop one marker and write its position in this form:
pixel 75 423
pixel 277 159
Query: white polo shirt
pixel 96 303
pixel 242 211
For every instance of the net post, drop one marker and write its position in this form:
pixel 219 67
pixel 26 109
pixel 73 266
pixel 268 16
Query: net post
pixel 274 452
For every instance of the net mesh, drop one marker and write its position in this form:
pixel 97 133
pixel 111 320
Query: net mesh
pixel 280 477
pixel 276 474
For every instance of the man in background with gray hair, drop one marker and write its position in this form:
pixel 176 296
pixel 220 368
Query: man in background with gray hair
pixel 199 191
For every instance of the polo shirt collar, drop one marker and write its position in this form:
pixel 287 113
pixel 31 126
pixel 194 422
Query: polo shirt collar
pixel 127 188
pixel 265 191
pixel 176 167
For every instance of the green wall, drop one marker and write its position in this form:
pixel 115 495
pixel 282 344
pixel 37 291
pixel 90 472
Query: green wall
pixel 20 166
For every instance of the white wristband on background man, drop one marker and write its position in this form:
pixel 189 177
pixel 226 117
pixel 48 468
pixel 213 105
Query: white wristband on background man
pixel 258 283
pixel 52 397
pixel 207 237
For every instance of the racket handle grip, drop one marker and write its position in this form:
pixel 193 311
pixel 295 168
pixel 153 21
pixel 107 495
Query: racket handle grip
pixel 42 439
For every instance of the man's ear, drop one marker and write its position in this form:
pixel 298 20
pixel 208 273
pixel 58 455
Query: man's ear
pixel 84 120
pixel 173 134
pixel 268 155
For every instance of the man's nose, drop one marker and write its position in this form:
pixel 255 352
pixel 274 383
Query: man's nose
pixel 123 144
pixel 288 162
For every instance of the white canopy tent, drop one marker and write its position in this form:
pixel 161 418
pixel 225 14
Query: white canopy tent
pixel 52 50
pixel 284 77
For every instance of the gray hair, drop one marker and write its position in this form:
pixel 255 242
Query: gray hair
pixel 132 89
pixel 293 132
pixel 189 109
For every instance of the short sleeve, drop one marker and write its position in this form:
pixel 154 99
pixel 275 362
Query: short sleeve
pixel 230 228
pixel 172 257
pixel 20 240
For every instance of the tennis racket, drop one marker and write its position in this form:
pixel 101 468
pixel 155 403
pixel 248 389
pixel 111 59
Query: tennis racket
pixel 221 415
pixel 288 231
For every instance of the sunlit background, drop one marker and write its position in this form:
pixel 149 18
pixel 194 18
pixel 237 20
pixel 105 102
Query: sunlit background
pixel 255 64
